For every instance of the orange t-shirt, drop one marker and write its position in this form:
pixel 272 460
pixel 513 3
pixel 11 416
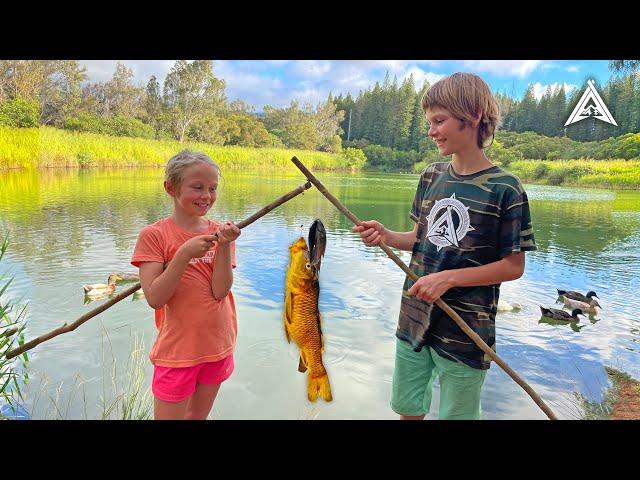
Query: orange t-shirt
pixel 193 326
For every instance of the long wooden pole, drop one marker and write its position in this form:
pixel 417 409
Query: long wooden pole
pixel 72 326
pixel 456 318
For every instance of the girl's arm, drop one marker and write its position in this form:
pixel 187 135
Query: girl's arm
pixel 222 277
pixel 373 232
pixel 431 287
pixel 158 285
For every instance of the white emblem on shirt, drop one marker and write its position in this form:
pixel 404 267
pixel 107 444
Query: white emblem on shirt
pixel 441 227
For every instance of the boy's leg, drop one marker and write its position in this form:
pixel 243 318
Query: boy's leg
pixel 412 382
pixel 460 388
pixel 201 401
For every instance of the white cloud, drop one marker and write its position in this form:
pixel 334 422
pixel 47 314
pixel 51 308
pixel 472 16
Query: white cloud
pixel 518 68
pixel 102 70
pixel 311 68
pixel 419 76
pixel 573 68
pixel 539 88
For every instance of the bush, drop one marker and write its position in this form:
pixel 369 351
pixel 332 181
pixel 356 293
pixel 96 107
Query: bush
pixel 20 113
pixel 354 157
pixel 118 126
pixel 541 170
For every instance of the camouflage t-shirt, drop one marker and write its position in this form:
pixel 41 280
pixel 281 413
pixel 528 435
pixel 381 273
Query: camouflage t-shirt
pixel 463 221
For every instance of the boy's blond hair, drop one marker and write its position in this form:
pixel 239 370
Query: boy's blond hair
pixel 174 171
pixel 465 95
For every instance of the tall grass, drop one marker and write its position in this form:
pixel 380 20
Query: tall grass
pixel 124 394
pixel 12 373
pixel 51 147
pixel 618 174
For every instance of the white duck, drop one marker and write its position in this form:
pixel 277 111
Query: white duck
pixel 97 289
pixel 506 307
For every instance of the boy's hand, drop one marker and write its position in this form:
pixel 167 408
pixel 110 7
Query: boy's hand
pixel 371 232
pixel 431 287
pixel 227 232
pixel 197 247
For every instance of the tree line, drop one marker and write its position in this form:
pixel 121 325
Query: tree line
pixel 386 120
pixel 189 105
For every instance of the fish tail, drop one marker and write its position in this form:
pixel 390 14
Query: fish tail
pixel 319 385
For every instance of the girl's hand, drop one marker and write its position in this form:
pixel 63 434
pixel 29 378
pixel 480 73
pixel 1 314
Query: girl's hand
pixel 197 247
pixel 431 287
pixel 371 232
pixel 227 232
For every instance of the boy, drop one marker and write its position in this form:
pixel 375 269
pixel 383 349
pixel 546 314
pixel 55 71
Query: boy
pixel 473 226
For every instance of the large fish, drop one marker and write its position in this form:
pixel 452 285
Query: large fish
pixel 302 321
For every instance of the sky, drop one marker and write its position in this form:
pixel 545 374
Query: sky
pixel 277 82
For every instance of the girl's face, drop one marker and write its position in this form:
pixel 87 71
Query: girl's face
pixel 198 190
pixel 451 134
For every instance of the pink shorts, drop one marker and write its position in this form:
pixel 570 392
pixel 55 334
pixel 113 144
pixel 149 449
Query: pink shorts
pixel 176 384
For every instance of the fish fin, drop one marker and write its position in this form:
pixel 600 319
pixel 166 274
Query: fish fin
pixel 301 366
pixel 319 317
pixel 319 385
pixel 286 332
pixel 288 307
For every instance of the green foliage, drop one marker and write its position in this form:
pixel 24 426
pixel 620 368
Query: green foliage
pixel 20 113
pixel 117 126
pixel 12 373
pixel 354 158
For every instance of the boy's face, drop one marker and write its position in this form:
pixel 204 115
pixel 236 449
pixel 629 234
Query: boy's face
pixel 451 134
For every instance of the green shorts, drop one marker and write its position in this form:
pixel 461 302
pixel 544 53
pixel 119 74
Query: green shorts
pixel 413 377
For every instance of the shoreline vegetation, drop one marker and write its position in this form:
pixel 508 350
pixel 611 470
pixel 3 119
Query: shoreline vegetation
pixel 621 400
pixel 48 147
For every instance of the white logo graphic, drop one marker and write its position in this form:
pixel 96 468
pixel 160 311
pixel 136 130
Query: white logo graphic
pixel 441 229
pixel 590 106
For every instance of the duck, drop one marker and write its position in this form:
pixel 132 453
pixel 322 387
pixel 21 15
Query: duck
pixel 556 314
pixel 101 288
pixel 506 307
pixel 127 277
pixel 585 307
pixel 579 297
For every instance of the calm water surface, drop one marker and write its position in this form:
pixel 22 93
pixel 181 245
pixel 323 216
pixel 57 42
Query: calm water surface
pixel 72 227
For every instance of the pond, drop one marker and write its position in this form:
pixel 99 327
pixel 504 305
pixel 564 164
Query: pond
pixel 73 227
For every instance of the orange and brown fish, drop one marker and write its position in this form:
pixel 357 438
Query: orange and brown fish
pixel 302 321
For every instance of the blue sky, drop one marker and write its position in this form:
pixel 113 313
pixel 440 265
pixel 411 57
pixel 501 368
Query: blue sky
pixel 277 82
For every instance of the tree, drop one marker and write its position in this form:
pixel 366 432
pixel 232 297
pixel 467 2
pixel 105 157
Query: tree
pixel 152 104
pixel 618 66
pixel 327 120
pixel 191 91
pixel 121 96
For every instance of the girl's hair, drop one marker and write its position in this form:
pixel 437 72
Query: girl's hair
pixel 465 95
pixel 174 171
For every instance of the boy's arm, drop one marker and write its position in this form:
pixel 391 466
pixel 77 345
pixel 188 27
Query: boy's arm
pixel 373 232
pixel 431 287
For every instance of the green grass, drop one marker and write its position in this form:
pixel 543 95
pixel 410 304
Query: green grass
pixel 50 147
pixel 618 174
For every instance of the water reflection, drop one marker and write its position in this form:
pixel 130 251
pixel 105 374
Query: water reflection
pixel 72 227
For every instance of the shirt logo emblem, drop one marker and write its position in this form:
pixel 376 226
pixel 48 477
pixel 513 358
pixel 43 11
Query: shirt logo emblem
pixel 442 220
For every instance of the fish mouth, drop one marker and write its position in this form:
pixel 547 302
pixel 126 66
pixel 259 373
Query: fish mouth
pixel 317 242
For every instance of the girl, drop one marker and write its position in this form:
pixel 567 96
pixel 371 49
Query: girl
pixel 473 226
pixel 186 275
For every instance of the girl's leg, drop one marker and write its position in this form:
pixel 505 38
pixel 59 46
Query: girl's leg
pixel 163 410
pixel 200 403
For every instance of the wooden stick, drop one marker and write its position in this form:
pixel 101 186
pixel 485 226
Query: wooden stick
pixel 68 328
pixel 456 318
